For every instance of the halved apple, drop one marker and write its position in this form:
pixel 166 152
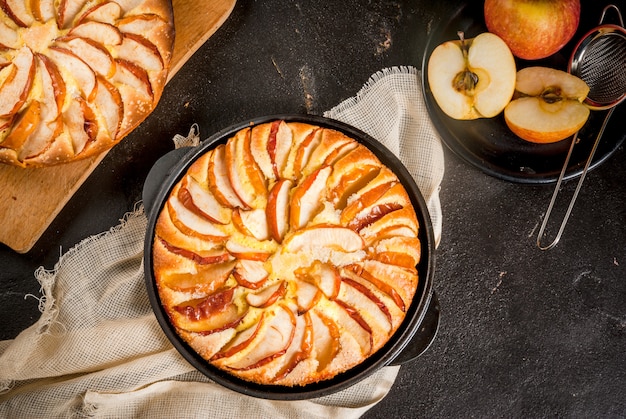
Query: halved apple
pixel 472 78
pixel 548 105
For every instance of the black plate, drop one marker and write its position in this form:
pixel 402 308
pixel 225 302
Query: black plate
pixel 412 338
pixel 489 145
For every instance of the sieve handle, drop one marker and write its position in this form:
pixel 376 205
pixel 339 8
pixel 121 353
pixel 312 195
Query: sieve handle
pixel 619 14
pixel 578 186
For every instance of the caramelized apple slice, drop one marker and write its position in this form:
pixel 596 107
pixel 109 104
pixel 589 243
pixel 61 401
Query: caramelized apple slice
pixel 277 210
pixel 250 273
pixel 351 322
pixel 397 223
pixel 219 182
pixel 326 338
pixel 306 198
pixel 307 295
pixel 18 79
pixel 321 236
pixel 42 10
pixel 397 250
pixel 367 304
pixel 300 348
pixel 330 141
pixel 252 223
pixel 131 76
pixel 102 33
pixel 80 71
pixel 272 341
pixel 141 24
pixel 207 315
pixel 9 37
pixel 267 296
pixel 139 50
pixel 192 224
pixel 202 202
pixel 325 276
pixel 391 279
pixel 105 12
pixel 279 145
pixel 249 250
pixel 98 57
pixel 245 176
pixel 17 11
pixel 207 279
pixel 305 149
pixel 109 102
pixel 241 342
pixel 259 137
pixel 201 257
pixel 23 128
pixel 80 124
pixel 67 10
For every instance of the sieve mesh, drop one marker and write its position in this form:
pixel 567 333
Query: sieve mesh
pixel 602 65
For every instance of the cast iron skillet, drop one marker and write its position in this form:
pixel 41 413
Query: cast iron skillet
pixel 412 338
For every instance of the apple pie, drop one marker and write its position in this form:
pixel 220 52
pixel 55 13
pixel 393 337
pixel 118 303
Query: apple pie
pixel 76 76
pixel 287 254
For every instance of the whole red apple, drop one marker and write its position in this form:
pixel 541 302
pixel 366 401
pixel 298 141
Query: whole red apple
pixel 533 29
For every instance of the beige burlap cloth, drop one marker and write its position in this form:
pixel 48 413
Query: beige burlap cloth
pixel 98 351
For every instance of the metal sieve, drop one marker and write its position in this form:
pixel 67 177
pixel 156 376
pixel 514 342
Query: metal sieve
pixel 599 60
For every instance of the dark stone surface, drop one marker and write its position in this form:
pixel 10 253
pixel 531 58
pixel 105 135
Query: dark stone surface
pixel 523 333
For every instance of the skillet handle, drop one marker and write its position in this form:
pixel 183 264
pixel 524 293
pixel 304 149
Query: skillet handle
pixel 424 337
pixel 161 170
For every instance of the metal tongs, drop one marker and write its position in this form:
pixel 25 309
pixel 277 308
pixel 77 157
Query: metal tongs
pixel 599 60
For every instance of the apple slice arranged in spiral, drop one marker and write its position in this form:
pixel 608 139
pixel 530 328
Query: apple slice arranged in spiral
pixel 98 57
pixel 82 73
pixel 371 308
pixel 324 236
pixel 250 273
pixel 202 202
pixel 325 277
pixel 300 349
pixel 207 315
pixel 548 105
pixel 244 174
pixel 218 180
pixel 306 198
pixel 277 210
pixel 105 12
pixel 273 336
pixel 252 223
pixel 307 295
pixel 16 11
pixel 191 223
pixel 267 296
pixel 208 278
pixel 102 33
pixel 15 82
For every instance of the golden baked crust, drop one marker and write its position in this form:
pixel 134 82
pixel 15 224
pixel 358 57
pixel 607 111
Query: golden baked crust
pixel 287 255
pixel 77 76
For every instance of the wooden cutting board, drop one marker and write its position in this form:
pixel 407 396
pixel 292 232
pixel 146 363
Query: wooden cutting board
pixel 30 199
